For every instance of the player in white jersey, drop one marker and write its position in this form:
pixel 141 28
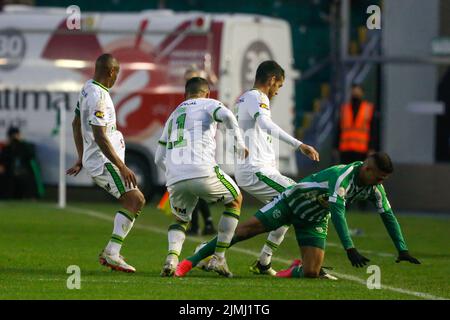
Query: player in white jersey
pixel 101 151
pixel 258 174
pixel 186 152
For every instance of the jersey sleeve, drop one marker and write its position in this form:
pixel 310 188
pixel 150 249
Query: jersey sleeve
pixel 258 105
pixel 338 185
pixel 96 105
pixel 381 202
pixel 214 108
pixel 163 140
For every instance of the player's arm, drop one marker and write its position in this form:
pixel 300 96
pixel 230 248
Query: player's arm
pixel 107 149
pixel 78 139
pixel 160 156
pixel 266 123
pixel 391 224
pixel 224 115
pixel 336 200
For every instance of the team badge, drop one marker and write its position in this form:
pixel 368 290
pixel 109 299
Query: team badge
pixel 264 106
pixel 99 114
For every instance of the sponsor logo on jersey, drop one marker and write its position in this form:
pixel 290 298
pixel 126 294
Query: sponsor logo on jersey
pixel 276 213
pixel 180 210
pixel 99 114
pixel 319 229
pixel 264 106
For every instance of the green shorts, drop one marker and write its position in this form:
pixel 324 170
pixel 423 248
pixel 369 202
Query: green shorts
pixel 277 213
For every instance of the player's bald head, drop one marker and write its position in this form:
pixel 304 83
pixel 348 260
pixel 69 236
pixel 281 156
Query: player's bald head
pixel 105 64
pixel 106 69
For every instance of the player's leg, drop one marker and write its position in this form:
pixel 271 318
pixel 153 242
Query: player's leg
pixel 132 201
pixel 182 202
pixel 311 238
pixel 270 185
pixel 222 188
pixel 203 208
pixel 244 231
pixel 270 217
pixel 193 229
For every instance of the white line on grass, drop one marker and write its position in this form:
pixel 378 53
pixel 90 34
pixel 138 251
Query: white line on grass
pixel 106 217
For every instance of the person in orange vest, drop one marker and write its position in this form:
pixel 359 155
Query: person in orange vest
pixel 356 136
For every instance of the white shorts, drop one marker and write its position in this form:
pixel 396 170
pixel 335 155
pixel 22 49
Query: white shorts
pixel 111 180
pixel 270 183
pixel 184 194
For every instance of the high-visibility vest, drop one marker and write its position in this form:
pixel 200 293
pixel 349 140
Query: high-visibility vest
pixel 355 130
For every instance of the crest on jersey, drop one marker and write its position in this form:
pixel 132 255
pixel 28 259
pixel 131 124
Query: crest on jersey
pixel 276 213
pixel 264 106
pixel 99 114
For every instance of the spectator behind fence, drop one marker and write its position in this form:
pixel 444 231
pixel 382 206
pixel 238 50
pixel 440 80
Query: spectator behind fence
pixel 20 168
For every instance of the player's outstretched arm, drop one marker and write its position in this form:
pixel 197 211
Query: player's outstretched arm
pixel 266 123
pixel 340 224
pixel 391 224
pixel 105 146
pixel 78 139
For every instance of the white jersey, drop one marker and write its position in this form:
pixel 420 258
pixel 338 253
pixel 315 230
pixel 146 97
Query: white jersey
pixel 95 107
pixel 249 106
pixel 189 138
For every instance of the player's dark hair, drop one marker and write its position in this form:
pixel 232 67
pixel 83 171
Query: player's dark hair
pixel 196 85
pixel 383 162
pixel 267 70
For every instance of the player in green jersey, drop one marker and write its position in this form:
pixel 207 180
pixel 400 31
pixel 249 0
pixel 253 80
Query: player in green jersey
pixel 309 204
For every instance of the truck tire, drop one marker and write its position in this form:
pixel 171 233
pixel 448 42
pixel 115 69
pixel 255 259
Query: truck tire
pixel 138 164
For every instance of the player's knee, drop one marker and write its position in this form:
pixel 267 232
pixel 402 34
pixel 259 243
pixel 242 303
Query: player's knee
pixel 141 201
pixel 238 200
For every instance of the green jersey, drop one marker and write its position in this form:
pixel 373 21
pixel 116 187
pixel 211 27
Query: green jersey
pixel 325 194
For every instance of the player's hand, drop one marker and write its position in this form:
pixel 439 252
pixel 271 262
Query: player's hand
pixel 405 256
pixel 242 152
pixel 309 151
pixel 246 153
pixel 128 177
pixel 75 169
pixel 356 258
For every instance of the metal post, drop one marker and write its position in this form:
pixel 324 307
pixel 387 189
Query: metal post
pixel 62 157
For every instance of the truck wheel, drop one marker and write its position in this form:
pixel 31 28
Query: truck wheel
pixel 143 173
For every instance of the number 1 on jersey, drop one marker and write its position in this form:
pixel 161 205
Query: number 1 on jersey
pixel 180 142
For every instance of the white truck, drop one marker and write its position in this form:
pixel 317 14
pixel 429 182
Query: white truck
pixel 44 62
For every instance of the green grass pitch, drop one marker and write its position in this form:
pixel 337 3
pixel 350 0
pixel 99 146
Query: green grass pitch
pixel 39 242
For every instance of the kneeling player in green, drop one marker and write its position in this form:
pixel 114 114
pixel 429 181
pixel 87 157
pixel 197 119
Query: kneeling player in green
pixel 309 204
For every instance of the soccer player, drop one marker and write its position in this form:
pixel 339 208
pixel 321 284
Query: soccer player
pixel 101 151
pixel 309 204
pixel 186 152
pixel 258 174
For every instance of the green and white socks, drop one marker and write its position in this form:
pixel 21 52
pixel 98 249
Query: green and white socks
pixel 176 237
pixel 273 241
pixel 227 225
pixel 123 222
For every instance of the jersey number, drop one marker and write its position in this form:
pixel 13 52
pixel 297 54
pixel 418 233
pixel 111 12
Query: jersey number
pixel 180 142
